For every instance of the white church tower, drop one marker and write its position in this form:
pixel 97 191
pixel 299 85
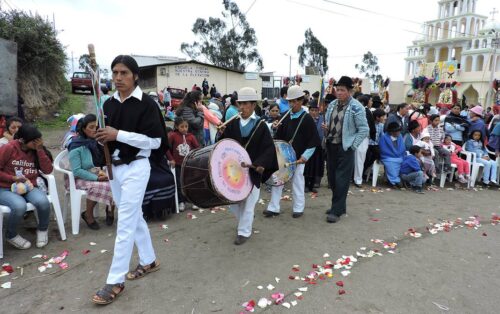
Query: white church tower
pixel 461 40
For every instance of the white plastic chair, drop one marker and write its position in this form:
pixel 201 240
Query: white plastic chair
pixel 450 176
pixel 475 166
pixel 53 199
pixel 61 164
pixel 375 172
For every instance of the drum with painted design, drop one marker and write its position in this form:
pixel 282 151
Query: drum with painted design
pixel 213 176
pixel 286 155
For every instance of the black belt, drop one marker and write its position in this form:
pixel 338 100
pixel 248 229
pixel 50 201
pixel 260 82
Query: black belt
pixel 119 162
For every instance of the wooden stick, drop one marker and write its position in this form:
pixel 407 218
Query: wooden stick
pixel 225 123
pixel 244 165
pixel 97 99
pixel 288 164
pixel 284 116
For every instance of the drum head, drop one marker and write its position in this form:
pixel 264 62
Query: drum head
pixel 228 177
pixel 285 154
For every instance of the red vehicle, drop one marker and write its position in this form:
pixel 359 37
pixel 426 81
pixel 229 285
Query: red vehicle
pixel 81 81
pixel 177 95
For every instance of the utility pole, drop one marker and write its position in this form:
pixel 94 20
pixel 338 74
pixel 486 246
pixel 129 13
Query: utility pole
pixel 289 65
pixel 72 62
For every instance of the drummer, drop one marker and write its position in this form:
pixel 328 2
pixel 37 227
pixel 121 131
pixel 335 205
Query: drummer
pixel 299 129
pixel 253 134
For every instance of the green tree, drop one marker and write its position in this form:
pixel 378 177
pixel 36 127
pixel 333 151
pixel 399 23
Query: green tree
pixel 313 53
pixel 84 61
pixel 227 42
pixel 369 67
pixel 41 61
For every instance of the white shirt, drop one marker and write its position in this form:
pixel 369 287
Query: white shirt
pixel 244 122
pixel 141 141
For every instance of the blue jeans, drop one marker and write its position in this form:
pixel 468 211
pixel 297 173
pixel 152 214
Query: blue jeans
pixel 416 179
pixel 17 204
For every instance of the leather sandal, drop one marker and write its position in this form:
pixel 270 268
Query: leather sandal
pixel 141 271
pixel 108 293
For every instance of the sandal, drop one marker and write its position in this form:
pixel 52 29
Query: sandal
pixel 109 218
pixel 93 226
pixel 141 271
pixel 108 294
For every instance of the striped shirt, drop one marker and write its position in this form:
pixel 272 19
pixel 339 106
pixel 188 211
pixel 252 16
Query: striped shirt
pixel 436 134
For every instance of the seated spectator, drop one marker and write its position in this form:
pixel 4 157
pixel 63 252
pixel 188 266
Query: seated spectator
pixel 442 156
pixel 456 125
pixel 427 150
pixel 20 163
pixel 494 140
pixel 392 152
pixel 463 168
pixel 373 152
pixel 11 126
pixel 84 156
pixel 476 121
pixel 475 145
pixel 411 169
pixel 413 136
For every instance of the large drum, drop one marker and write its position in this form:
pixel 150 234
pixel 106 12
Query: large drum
pixel 213 176
pixel 286 155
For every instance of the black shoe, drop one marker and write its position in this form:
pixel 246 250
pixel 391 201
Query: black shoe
pixel 493 184
pixel 297 215
pixel 93 226
pixel 268 213
pixel 399 185
pixel 313 190
pixel 359 186
pixel 240 240
pixel 332 218
pixel 328 211
pixel 109 218
pixel 418 190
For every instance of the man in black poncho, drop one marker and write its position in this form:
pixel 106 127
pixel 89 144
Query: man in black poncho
pixel 135 132
pixel 299 129
pixel 253 134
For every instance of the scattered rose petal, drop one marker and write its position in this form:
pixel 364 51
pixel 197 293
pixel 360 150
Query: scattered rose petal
pixel 42 268
pixel 374 219
pixel 103 251
pixel 293 303
pixel 93 243
pixel 340 283
pixel 298 294
pixel 484 234
pixel 278 297
pixel 37 256
pixel 7 285
pixel 8 268
pixel 303 289
pixel 256 231
pixel 3 273
pixel 326 255
pixel 164 227
pixel 270 287
pixel 277 279
pixel 260 287
pixel 64 265
pixel 263 302
pixel 286 304
pixel 85 252
pixel 249 306
pixel 341 291
pixel 345 273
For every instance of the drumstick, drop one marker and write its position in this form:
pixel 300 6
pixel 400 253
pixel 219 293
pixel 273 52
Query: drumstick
pixel 225 123
pixel 284 116
pixel 288 164
pixel 244 165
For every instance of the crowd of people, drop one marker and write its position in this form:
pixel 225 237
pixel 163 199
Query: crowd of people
pixel 344 133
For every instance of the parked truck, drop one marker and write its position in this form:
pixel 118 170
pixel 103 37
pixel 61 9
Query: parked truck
pixel 81 81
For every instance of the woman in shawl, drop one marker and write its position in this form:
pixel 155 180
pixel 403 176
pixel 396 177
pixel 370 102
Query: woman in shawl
pixel 84 156
pixel 456 125
pixel 191 109
pixel 392 152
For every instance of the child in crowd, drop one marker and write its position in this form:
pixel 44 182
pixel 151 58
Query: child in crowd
pixel 427 156
pixel 274 115
pixel 463 168
pixel 181 143
pixel 436 132
pixel 11 126
pixel 411 169
pixel 475 145
pixel 373 152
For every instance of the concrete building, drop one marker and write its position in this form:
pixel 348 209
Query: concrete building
pixel 459 45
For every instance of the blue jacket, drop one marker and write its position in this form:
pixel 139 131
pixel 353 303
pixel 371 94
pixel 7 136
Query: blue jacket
pixel 354 127
pixel 410 164
pixel 476 147
pixel 478 125
pixel 284 106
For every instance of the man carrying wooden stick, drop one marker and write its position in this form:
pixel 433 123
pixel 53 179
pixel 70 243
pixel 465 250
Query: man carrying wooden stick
pixel 135 132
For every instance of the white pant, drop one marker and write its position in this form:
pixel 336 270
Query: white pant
pixel 244 212
pixel 298 198
pixel 359 161
pixel 1 235
pixel 128 187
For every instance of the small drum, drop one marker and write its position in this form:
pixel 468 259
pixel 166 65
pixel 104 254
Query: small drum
pixel 285 154
pixel 213 176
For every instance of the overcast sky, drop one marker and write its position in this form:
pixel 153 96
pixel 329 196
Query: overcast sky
pixel 155 27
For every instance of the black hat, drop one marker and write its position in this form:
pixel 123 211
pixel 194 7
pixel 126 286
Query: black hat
pixel 376 99
pixel 313 104
pixel 393 127
pixel 329 98
pixel 345 81
pixel 315 94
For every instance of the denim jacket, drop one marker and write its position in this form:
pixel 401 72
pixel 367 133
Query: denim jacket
pixel 355 126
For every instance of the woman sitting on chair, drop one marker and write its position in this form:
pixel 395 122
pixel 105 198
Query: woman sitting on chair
pixel 20 163
pixel 84 155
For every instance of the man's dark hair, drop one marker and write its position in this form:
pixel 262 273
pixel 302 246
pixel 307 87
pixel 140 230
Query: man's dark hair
pixel 283 91
pixel 414 149
pixel 378 113
pixel 401 106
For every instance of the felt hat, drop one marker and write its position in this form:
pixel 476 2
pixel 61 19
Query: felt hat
pixel 294 92
pixel 345 81
pixel 313 104
pixel 393 127
pixel 477 110
pixel 376 100
pixel 329 98
pixel 247 94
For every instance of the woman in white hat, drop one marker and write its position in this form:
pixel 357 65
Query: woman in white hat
pixel 299 129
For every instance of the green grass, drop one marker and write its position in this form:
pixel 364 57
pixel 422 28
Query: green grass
pixel 71 104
